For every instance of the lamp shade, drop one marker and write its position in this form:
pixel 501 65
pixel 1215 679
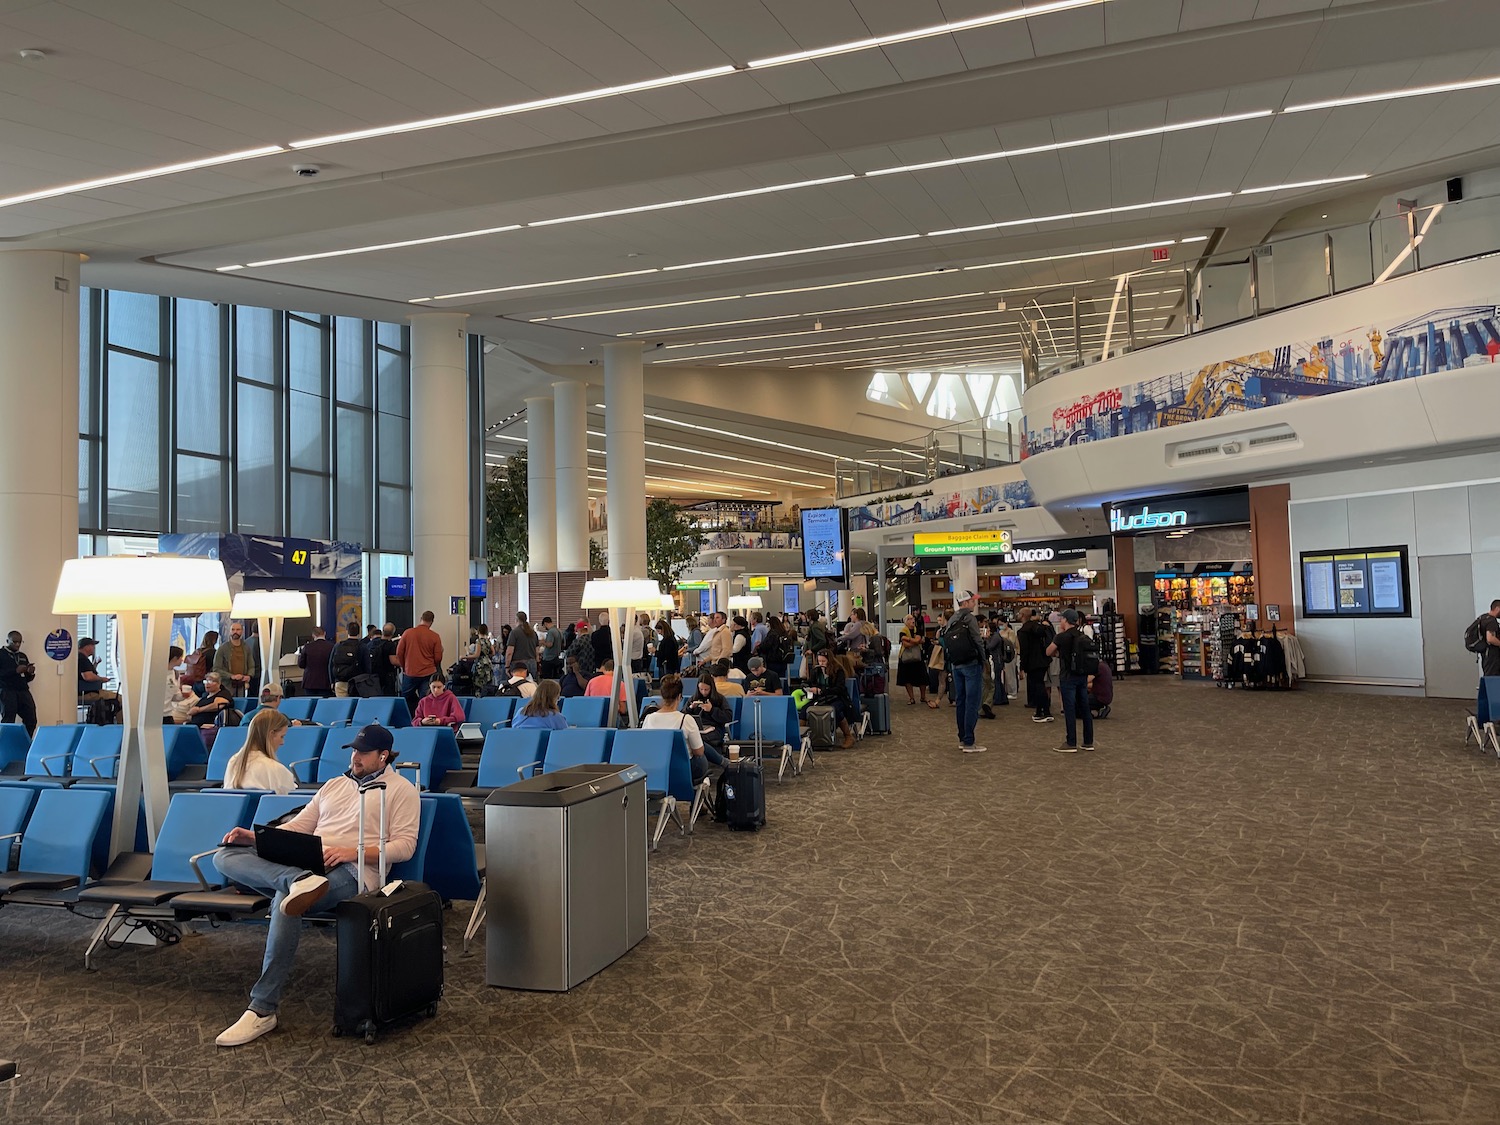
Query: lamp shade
pixel 270 603
pixel 132 584
pixel 745 601
pixel 668 603
pixel 609 593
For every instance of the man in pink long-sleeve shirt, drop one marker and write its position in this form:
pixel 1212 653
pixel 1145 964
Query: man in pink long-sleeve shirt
pixel 333 816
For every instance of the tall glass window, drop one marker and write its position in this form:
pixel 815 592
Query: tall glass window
pixel 196 416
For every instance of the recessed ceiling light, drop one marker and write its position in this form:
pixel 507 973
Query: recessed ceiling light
pixel 144 174
pixel 1393 95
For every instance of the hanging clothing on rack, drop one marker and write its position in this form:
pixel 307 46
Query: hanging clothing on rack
pixel 1296 660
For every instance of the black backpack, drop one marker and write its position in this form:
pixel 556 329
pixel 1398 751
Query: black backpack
pixel 1474 636
pixel 509 690
pixel 1085 660
pixel 961 647
pixel 343 666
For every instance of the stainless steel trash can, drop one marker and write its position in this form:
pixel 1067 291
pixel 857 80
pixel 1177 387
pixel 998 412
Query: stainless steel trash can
pixel 565 870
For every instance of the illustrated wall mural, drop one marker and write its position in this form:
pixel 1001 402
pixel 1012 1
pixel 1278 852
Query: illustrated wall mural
pixel 943 505
pixel 1442 340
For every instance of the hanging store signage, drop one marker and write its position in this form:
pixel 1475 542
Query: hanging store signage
pixel 992 541
pixel 695 585
pixel 1030 555
pixel 1167 513
pixel 1054 550
pixel 757 583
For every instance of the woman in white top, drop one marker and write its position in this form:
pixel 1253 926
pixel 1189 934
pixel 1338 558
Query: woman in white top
pixel 180 699
pixel 668 717
pixel 255 766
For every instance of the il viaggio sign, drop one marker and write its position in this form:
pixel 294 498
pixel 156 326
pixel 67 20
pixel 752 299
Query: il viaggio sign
pixel 1168 513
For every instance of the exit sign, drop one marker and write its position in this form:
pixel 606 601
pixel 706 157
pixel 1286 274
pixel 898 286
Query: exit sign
pixel 1161 254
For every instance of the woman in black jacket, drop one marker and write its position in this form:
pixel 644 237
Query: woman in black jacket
pixel 828 686
pixel 710 712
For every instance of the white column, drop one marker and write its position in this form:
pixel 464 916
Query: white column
pixel 570 401
pixel 541 486
pixel 439 462
pixel 39 459
pixel 625 458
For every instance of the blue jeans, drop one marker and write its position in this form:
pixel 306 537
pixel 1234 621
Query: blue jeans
pixel 968 682
pixel 1075 700
pixel 701 762
pixel 1482 705
pixel 243 866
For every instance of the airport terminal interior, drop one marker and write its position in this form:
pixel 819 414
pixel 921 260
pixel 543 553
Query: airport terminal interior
pixel 1162 329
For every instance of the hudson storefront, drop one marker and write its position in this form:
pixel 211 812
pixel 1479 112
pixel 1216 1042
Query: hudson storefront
pixel 1207 566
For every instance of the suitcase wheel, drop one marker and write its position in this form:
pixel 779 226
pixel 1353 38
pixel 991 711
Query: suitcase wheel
pixel 369 1030
pixel 432 1010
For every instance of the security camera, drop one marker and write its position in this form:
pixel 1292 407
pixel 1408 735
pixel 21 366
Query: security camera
pixel 661 343
pixel 306 171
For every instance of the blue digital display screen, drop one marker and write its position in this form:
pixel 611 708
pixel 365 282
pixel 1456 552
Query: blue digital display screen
pixel 824 543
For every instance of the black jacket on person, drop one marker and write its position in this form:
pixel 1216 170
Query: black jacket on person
pixel 343 663
pixel 1033 638
pixel 11 676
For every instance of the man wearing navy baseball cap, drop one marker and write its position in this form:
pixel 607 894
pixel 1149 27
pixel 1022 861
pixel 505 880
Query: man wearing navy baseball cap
pixel 333 816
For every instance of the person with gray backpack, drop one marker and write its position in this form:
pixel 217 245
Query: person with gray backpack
pixel 1078 658
pixel 1482 638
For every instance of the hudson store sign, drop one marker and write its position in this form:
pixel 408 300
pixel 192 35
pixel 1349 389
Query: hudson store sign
pixel 1166 513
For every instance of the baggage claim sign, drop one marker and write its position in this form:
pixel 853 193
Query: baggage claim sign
pixel 947 545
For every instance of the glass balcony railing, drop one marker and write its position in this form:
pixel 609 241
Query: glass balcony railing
pixel 1071 326
pixel 965 447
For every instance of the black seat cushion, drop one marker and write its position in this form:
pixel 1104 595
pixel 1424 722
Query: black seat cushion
pixel 229 901
pixel 151 892
pixel 35 881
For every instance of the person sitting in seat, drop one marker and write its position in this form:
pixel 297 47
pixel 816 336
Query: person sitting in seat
pixel 574 683
pixel 333 816
pixel 723 673
pixel 91 685
pixel 761 680
pixel 599 686
pixel 541 711
pixel 216 698
pixel 710 712
pixel 828 686
pixel 439 707
pixel 519 683
pixel 255 766
pixel 270 700
pixel 669 718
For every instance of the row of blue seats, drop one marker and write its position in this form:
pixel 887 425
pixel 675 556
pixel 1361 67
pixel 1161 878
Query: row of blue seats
pixel 63 832
pixel 82 751
pixel 387 710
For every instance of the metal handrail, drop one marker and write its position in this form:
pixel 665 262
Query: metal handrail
pixel 963 447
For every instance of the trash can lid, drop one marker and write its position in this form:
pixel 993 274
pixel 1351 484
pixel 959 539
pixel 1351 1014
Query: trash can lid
pixel 567 786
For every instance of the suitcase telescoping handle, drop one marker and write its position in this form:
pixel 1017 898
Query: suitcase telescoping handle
pixel 381 847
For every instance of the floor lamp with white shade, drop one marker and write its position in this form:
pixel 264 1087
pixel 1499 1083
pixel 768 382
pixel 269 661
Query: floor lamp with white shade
pixel 622 597
pixel 270 608
pixel 144 594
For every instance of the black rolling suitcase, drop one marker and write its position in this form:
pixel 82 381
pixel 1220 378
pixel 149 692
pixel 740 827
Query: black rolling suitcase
pixel 390 950
pixel 741 799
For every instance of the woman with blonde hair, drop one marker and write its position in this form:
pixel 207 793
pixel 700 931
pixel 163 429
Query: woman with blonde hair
pixel 541 710
pixel 255 765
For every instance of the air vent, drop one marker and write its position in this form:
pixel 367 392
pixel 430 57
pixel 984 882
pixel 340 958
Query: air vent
pixel 1272 439
pixel 1201 451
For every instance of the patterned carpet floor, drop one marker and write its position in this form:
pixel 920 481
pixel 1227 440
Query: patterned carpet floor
pixel 1271 908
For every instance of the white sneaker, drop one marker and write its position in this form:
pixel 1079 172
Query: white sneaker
pixel 975 749
pixel 1066 749
pixel 246 1029
pixel 302 894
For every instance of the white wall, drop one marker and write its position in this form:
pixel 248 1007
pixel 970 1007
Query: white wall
pixel 1446 506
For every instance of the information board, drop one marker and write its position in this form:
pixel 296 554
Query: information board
pixel 1373 582
pixel 400 587
pixel 825 538
pixel 791 598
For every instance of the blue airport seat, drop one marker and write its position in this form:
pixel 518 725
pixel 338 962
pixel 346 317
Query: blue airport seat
pixel 304 745
pixel 51 750
pixel 434 749
pixel 586 711
pixel 689 686
pixel 299 708
pixel 333 710
pixel 244 704
pixel 576 746
pixel 16 802
pixel 770 722
pixel 388 711
pixel 508 756
pixel 97 753
pixel 15 744
pixel 664 755
pixel 272 805
pixel 490 710
pixel 184 747
pixel 466 702
pixel 414 867
pixel 57 845
pixel 450 866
